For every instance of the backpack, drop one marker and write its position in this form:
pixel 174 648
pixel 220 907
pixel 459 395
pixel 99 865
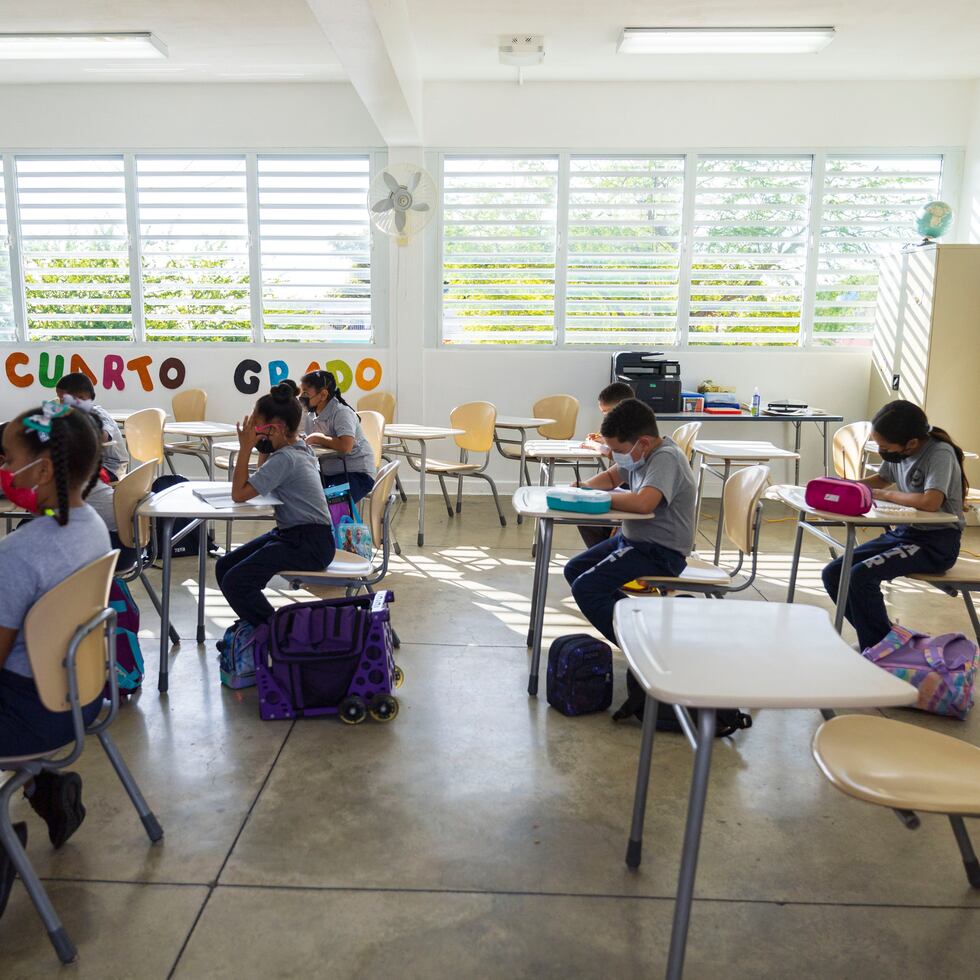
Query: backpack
pixel 236 656
pixel 580 675
pixel 187 546
pixel 727 720
pixel 129 657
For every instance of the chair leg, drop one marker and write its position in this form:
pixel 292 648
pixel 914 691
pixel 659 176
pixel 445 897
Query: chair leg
pixel 395 639
pixel 459 494
pixel 401 489
pixel 966 850
pixel 445 496
pixel 155 599
pixel 170 463
pixel 496 499
pixel 971 611
pixel 150 823
pixel 62 944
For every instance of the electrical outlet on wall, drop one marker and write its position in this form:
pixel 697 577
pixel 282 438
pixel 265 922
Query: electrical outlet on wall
pixel 896 381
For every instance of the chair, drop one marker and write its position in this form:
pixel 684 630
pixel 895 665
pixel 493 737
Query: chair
pixel 564 410
pixel 962 578
pixel 848 449
pixel 684 436
pixel 70 642
pixel 477 420
pixel 144 436
pixel 188 406
pixel 136 533
pixel 373 427
pixel 384 403
pixel 904 767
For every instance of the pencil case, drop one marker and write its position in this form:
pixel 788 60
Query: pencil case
pixel 579 499
pixel 839 496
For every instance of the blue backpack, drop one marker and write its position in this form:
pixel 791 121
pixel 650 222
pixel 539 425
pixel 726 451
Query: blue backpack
pixel 236 656
pixel 129 657
pixel 580 674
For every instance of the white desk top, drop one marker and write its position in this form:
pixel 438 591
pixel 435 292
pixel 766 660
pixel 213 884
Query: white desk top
pixel 878 516
pixel 872 447
pixel 119 415
pixel 419 433
pixel 180 501
pixel 748 654
pixel 532 502
pixel 741 450
pixel 559 449
pixel 520 422
pixel 202 430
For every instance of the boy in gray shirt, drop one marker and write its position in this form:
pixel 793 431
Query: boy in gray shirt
pixel 661 482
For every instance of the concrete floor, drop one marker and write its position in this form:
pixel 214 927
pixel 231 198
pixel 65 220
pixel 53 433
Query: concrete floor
pixel 482 834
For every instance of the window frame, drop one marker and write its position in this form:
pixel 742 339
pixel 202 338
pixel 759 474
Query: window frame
pixel 950 189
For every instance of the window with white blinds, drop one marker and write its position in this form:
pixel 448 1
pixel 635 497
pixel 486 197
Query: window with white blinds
pixel 8 330
pixel 499 236
pixel 623 249
pixel 74 248
pixel 869 207
pixel 193 228
pixel 748 250
pixel 315 236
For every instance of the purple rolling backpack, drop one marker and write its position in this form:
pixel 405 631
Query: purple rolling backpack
pixel 328 657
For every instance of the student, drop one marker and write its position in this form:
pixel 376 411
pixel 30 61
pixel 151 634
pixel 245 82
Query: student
pixel 302 539
pixel 926 466
pixel 333 424
pixel 76 389
pixel 51 460
pixel 660 482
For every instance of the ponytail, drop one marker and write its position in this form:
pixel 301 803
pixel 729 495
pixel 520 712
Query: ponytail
pixel 941 435
pixel 282 405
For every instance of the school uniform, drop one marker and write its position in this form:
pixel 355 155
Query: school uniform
pixel 657 546
pixel 114 454
pixel 302 539
pixel 356 467
pixel 907 548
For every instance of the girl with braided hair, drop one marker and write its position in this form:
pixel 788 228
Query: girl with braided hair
pixel 52 456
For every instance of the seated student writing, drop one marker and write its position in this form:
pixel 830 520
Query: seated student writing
pixel 660 482
pixel 926 467
pixel 333 424
pixel 302 539
pixel 76 389
pixel 51 460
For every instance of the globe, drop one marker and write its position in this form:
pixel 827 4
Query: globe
pixel 934 219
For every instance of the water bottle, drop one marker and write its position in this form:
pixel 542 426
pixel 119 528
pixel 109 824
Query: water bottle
pixel 756 403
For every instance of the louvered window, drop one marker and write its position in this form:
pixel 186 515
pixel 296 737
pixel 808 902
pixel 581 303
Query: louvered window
pixel 623 250
pixel 870 205
pixel 193 225
pixel 7 328
pixel 499 234
pixel 74 248
pixel 316 248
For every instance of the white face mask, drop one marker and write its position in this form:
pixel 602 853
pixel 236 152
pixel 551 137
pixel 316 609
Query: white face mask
pixel 83 404
pixel 626 463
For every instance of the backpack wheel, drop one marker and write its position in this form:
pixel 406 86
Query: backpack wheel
pixel 352 710
pixel 399 676
pixel 384 707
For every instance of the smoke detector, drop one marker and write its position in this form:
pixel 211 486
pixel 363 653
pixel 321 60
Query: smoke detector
pixel 521 50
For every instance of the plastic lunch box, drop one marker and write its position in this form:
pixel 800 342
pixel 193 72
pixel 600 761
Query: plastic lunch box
pixel 579 499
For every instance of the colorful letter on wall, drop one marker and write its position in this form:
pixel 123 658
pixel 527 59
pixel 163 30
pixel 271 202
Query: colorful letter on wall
pixel 15 360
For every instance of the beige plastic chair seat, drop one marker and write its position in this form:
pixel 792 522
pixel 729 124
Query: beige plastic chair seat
pixel 698 572
pixel 445 466
pixel 965 570
pixel 893 764
pixel 344 565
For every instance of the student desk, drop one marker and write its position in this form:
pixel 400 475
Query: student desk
pixel 812 521
pixel 532 502
pixel 121 415
pixel 820 419
pixel 551 451
pixel 165 508
pixel 422 434
pixel 206 433
pixel 711 655
pixel 519 424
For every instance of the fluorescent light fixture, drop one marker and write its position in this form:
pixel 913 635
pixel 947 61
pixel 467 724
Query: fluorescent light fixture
pixel 71 47
pixel 724 40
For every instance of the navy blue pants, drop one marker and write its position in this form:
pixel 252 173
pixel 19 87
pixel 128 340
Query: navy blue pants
pixel 26 726
pixel 244 572
pixel 891 555
pixel 597 575
pixel 360 483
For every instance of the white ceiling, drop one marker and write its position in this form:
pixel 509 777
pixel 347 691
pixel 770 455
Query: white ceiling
pixel 280 40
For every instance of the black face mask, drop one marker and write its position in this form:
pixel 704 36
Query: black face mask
pixel 264 445
pixel 304 401
pixel 892 457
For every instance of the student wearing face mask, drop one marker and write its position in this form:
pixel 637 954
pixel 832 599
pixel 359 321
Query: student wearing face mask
pixel 302 539
pixel 333 424
pixel 922 468
pixel 660 482
pixel 77 390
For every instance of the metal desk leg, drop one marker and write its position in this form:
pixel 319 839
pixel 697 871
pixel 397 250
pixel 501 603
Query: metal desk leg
pixel 634 849
pixel 422 455
pixel 845 578
pixel 721 510
pixel 692 843
pixel 826 450
pixel 798 426
pixel 795 567
pixel 202 575
pixel 537 627
pixel 520 472
pixel 166 526
pixel 551 472
pixel 698 464
pixel 534 589
pixel 210 444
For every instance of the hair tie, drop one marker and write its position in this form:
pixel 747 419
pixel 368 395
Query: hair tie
pixel 929 429
pixel 41 421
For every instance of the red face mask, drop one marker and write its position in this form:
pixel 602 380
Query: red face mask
pixel 23 497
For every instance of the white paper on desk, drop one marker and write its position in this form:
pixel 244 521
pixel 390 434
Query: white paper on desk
pixel 222 499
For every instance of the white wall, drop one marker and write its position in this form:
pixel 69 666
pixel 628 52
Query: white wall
pixel 969 225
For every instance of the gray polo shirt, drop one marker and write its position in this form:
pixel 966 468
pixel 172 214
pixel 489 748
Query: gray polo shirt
pixel 114 452
pixel 933 467
pixel 291 474
pixel 672 526
pixel 341 420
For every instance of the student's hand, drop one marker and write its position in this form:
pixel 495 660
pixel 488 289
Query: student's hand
pixel 594 437
pixel 247 436
pixel 881 495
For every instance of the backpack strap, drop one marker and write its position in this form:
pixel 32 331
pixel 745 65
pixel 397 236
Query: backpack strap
pixel 935 653
pixel 896 638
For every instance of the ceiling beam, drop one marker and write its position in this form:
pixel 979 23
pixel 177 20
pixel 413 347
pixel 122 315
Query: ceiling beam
pixel 373 41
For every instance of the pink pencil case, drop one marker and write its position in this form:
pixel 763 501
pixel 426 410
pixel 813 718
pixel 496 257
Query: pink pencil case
pixel 838 496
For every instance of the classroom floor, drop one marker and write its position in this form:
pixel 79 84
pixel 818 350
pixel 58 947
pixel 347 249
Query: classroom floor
pixel 482 834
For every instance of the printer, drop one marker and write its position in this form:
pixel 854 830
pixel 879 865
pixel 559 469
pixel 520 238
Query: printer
pixel 654 380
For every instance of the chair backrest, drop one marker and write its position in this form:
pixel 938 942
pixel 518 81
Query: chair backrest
pixel 190 405
pixel 684 436
pixel 382 402
pixel 743 491
pixel 373 427
pixel 563 409
pixel 377 500
pixel 849 443
pixel 130 490
pixel 50 625
pixel 478 420
pixel 144 435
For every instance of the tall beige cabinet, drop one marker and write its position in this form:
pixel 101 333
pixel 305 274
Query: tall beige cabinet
pixel 927 339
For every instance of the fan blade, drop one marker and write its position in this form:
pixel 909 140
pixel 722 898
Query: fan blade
pixel 392 183
pixel 416 180
pixel 421 206
pixel 400 220
pixel 383 205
